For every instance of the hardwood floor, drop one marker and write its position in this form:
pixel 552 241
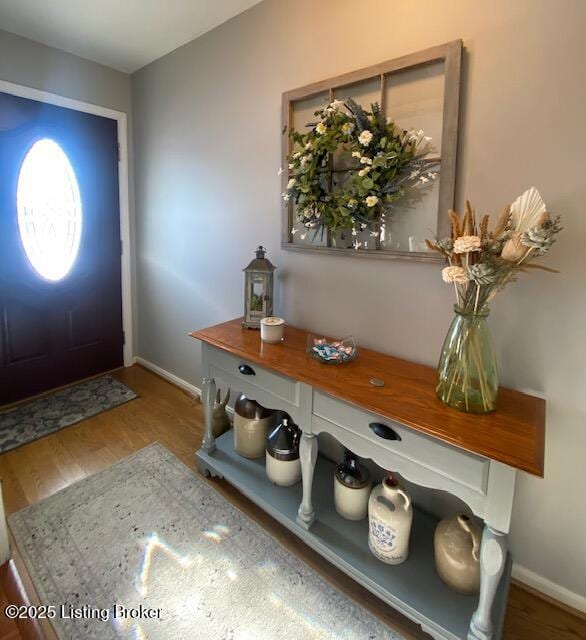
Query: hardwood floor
pixel 166 414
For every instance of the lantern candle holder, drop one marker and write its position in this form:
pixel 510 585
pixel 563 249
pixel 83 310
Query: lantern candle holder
pixel 258 290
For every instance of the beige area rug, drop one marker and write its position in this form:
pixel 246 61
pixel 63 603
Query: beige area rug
pixel 147 550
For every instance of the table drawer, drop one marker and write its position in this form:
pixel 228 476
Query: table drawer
pixel 456 464
pixel 253 375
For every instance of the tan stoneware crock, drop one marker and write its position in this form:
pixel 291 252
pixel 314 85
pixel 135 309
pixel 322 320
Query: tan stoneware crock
pixel 457 553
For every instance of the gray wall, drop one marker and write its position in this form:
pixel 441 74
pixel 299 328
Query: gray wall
pixel 34 65
pixel 207 130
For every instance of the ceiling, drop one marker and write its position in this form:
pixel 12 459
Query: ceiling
pixel 123 34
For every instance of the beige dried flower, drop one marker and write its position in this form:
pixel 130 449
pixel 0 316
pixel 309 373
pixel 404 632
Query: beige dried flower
pixel 466 244
pixel 455 275
pixel 513 249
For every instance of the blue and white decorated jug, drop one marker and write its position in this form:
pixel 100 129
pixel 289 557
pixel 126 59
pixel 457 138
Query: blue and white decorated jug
pixel 390 516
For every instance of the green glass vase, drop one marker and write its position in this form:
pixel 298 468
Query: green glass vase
pixel 467 370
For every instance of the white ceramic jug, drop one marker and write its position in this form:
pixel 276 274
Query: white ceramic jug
pixel 390 516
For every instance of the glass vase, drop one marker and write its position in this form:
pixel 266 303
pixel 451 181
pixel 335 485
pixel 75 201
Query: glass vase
pixel 467 370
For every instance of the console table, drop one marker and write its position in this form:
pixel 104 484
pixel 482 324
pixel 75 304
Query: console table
pixel 475 458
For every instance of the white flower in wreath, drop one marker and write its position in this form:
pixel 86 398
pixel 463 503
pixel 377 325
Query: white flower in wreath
pixel 306 159
pixel 337 104
pixel 348 128
pixel 455 275
pixel 352 203
pixel 364 171
pixel 280 171
pixel 365 138
pixel 291 165
pixel 356 154
pixel 354 232
pixel 308 145
pixel 296 155
pixel 321 128
pixel 291 183
pixel 415 136
pixel 286 197
pixel 371 201
pixel 466 244
pixel 423 179
pixel 363 226
pixel 365 160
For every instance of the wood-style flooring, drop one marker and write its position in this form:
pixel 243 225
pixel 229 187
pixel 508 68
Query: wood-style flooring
pixel 166 414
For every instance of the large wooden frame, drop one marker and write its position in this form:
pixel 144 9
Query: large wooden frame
pixel 451 55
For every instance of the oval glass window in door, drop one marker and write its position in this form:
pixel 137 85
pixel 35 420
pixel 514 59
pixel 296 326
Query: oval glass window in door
pixel 49 210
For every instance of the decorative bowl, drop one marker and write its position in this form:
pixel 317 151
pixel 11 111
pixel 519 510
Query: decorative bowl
pixel 332 351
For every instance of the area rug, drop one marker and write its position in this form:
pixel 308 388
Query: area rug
pixel 49 413
pixel 148 538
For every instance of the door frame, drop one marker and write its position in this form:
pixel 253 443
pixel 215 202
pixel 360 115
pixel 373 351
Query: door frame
pixel 127 249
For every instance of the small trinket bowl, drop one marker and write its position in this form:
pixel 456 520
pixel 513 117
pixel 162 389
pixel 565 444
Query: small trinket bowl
pixel 332 351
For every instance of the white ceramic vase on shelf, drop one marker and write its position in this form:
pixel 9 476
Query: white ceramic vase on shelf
pixel 390 517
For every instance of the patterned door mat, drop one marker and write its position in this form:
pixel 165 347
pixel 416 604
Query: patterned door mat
pixel 49 413
pixel 146 549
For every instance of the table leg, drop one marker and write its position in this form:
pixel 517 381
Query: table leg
pixel 493 556
pixel 208 399
pixel 308 457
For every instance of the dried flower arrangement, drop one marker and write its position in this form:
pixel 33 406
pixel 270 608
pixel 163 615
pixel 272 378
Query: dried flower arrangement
pixel 481 262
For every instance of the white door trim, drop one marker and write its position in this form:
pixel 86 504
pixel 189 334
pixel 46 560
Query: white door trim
pixel 126 258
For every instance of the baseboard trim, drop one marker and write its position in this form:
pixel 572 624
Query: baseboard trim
pixel 548 588
pixel 520 573
pixel 170 377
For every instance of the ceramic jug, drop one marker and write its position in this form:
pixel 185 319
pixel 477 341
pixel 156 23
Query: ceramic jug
pixel 351 488
pixel 390 517
pixel 283 466
pixel 457 552
pixel 252 422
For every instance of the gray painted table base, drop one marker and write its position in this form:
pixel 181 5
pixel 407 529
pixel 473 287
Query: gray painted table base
pixel 413 588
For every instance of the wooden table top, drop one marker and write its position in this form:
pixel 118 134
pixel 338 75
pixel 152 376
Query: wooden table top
pixel 514 434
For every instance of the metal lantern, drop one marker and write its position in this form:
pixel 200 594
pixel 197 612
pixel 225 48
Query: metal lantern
pixel 258 290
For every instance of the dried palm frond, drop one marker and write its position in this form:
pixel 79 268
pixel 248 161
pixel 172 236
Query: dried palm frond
pixel 527 210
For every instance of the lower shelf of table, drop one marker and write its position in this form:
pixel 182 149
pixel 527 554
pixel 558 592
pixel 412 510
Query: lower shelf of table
pixel 414 588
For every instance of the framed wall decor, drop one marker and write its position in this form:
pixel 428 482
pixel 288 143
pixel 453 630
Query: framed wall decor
pixel 419 91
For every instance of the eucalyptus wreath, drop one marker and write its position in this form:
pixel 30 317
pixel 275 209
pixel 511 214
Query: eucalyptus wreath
pixel 385 161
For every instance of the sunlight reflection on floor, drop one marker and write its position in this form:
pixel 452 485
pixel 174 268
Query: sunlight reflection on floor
pixel 183 607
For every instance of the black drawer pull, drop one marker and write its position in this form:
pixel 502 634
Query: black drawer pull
pixel 384 431
pixel 245 370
